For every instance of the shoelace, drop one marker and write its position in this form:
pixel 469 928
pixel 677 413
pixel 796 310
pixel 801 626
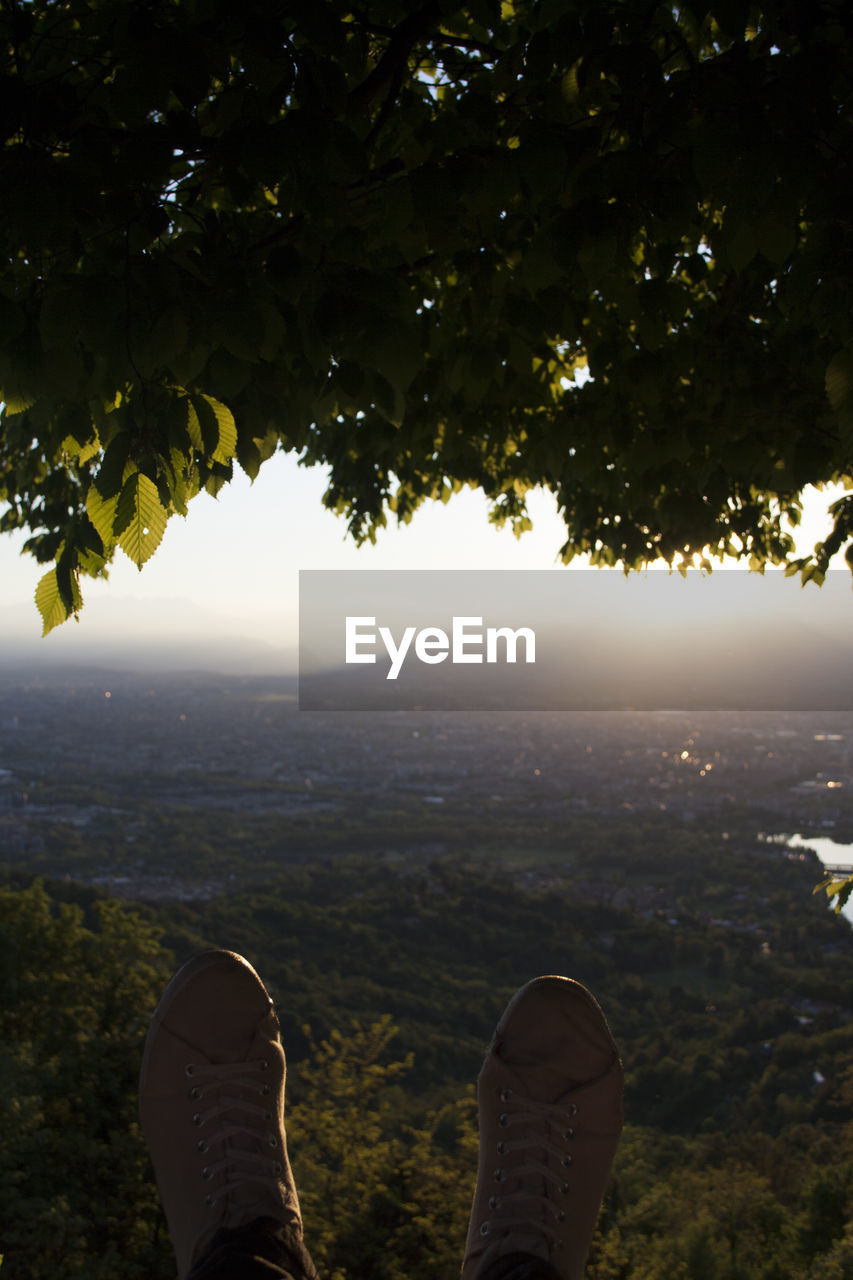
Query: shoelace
pixel 527 1205
pixel 245 1149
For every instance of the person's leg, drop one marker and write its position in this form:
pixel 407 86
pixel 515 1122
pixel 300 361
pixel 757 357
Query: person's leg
pixel 211 1100
pixel 550 1099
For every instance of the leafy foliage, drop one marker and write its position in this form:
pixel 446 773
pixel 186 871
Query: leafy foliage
pixel 390 237
pixel 380 1199
pixel 74 1006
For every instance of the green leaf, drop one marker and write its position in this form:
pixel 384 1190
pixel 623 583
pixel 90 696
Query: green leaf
pixel 82 453
pixel 16 403
pixel 741 245
pixel 140 519
pixel 833 887
pixel 93 564
pixel 398 355
pixel 102 513
pixel 275 332
pixel 839 379
pixel 249 457
pixel 168 338
pixel 89 451
pixel 183 482
pixel 776 235
pixel 389 401
pixel 844 890
pixel 227 432
pixel 194 427
pixel 215 482
pixel 111 471
pixel 570 83
pixel 48 597
pixel 217 428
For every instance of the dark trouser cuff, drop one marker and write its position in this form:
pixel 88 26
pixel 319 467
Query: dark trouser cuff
pixel 263 1250
pixel 519 1266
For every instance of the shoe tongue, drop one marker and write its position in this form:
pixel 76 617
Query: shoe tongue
pixel 246 1189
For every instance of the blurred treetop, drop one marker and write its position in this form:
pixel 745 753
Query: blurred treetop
pixel 600 245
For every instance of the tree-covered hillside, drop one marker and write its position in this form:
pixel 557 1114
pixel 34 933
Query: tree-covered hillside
pixel 737 1035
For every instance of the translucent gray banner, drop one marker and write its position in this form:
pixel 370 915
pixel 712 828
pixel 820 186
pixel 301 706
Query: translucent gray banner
pixel 573 640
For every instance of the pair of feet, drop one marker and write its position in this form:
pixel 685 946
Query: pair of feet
pixel 212 1110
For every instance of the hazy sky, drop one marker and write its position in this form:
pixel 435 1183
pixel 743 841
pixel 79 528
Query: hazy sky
pixel 232 566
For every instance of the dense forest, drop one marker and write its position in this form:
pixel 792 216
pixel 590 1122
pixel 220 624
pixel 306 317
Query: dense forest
pixel 728 985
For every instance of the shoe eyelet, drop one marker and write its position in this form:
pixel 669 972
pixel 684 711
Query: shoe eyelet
pixel 210 1200
pixel 503 1120
pixel 501 1148
pixel 195 1094
pixel 190 1069
pixel 494 1202
pixel 566 1161
pixel 201 1145
pixel 484 1229
pixel 568 1133
pixel 268 1115
pixel 499 1175
pixel 206 1174
pixel 273 1140
pixel 197 1119
pixel 505 1094
pixel 564 1189
pixel 265 1090
pixel 276 1168
pixel 263 1064
pixel 561 1217
pixel 573 1109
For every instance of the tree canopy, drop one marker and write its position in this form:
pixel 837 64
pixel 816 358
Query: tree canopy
pixel 603 246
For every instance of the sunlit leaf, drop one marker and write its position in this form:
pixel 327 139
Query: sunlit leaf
pixel 140 519
pixel 194 426
pixel 50 603
pixel 14 404
pixel 227 445
pixel 102 513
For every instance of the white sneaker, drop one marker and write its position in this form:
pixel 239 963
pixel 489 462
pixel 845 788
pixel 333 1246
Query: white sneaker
pixel 211 1100
pixel 550 1099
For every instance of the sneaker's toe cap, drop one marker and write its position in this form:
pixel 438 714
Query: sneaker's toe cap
pixel 215 1004
pixel 555 1031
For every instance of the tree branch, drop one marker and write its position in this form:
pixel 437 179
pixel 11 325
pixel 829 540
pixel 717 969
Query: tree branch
pixel 442 37
pixel 389 70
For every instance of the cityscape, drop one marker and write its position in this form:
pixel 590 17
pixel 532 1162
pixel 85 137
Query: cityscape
pixel 98 771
